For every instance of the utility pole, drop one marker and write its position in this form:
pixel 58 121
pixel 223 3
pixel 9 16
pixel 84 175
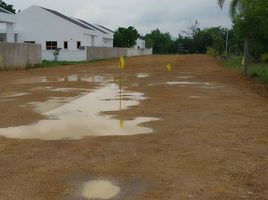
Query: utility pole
pixel 227 39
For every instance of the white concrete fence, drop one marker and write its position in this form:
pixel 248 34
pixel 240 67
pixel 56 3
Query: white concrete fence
pixel 19 56
pixel 95 53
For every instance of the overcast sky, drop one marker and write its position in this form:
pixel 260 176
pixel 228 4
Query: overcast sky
pixel 145 15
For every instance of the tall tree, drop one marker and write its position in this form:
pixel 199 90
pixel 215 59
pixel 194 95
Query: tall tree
pixel 125 37
pixel 6 6
pixel 236 10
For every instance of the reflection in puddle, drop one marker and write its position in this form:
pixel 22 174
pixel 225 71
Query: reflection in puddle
pixel 100 189
pixel 81 117
pixel 50 104
pixel 36 79
pixel 68 78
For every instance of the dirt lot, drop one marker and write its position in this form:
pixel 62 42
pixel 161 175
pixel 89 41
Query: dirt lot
pixel 211 141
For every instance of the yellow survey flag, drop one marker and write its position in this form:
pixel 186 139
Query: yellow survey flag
pixel 243 61
pixel 169 67
pixel 121 63
pixel 122 123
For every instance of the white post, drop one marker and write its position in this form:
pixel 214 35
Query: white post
pixel 10 32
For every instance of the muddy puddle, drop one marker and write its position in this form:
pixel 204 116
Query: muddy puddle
pixel 143 75
pixel 100 189
pixel 82 117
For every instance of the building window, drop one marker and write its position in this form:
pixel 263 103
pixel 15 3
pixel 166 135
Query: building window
pixel 78 44
pixel 51 45
pixel 29 42
pixel 65 45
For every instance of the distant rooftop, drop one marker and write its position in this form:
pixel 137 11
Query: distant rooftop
pixel 2 10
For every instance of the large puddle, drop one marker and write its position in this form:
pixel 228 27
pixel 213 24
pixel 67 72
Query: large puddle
pixel 82 117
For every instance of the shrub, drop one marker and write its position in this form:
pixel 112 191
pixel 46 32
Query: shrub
pixel 212 52
pixel 264 57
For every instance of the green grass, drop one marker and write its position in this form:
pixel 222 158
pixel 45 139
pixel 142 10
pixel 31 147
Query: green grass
pixel 46 63
pixel 256 70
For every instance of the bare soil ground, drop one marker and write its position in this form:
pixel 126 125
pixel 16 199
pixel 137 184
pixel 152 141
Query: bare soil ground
pixel 211 142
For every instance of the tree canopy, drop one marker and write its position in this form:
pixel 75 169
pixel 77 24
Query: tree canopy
pixel 6 6
pixel 160 42
pixel 125 37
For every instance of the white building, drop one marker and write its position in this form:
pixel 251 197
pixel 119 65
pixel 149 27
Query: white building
pixel 7 26
pixel 140 44
pixel 54 30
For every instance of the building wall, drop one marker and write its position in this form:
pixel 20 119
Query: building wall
pixel 19 56
pixel 38 25
pixel 65 55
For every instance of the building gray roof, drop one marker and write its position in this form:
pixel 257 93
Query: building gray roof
pixel 80 22
pixel 105 28
pixel 2 10
pixel 92 26
pixel 68 18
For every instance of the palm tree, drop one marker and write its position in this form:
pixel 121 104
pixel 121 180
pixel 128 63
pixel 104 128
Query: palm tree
pixel 236 7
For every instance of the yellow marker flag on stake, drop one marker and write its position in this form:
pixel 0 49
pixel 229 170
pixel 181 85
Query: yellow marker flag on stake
pixel 243 61
pixel 168 67
pixel 122 123
pixel 121 63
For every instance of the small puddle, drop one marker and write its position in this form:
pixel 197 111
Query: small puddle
pixel 202 85
pixel 185 77
pixel 13 94
pixel 212 87
pixel 100 189
pixel 195 97
pixel 81 117
pixel 184 83
pixel 67 89
pixel 142 75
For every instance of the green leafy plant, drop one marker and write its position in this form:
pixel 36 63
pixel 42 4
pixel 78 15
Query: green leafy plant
pixel 56 53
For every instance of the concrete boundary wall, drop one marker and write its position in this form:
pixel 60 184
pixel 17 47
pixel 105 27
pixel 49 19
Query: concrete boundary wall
pixel 138 52
pixel 19 56
pixel 97 53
